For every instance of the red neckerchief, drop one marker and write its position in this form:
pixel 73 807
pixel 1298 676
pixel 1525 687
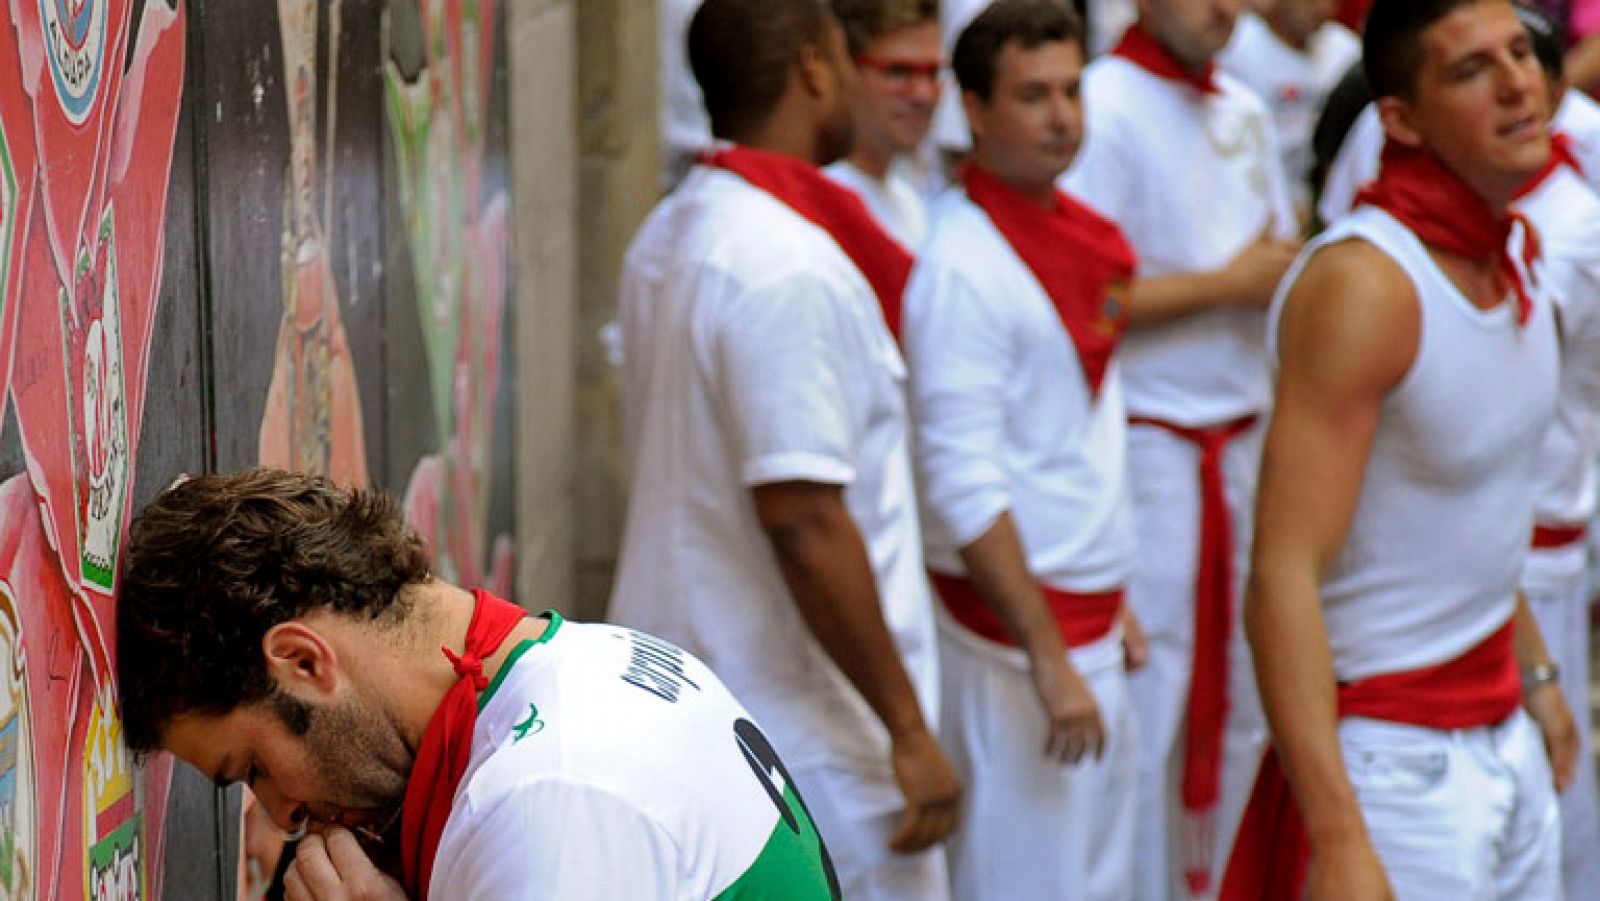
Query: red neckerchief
pixel 447 744
pixel 1081 260
pixel 1431 201
pixel 1560 155
pixel 835 209
pixel 1480 688
pixel 1139 47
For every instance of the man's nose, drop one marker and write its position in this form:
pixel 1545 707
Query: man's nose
pixel 286 814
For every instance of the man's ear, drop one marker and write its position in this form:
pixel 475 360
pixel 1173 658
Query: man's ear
pixel 1399 121
pixel 814 71
pixel 300 659
pixel 975 108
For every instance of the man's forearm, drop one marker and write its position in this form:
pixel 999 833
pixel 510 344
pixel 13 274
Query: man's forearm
pixel 825 565
pixel 1294 669
pixel 1528 642
pixel 1158 300
pixel 997 566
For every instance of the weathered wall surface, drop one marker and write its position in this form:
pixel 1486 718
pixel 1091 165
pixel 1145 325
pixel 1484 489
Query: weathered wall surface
pixel 231 233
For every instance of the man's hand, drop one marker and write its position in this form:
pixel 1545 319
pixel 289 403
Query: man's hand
pixel 1135 646
pixel 332 867
pixel 1253 274
pixel 1548 707
pixel 1069 707
pixel 1346 872
pixel 932 791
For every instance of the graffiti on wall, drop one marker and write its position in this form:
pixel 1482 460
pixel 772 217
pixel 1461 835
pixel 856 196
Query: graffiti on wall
pixel 458 233
pixel 86 142
pixel 313 413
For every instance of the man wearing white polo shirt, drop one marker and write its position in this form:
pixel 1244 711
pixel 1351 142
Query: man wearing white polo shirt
pixel 1184 160
pixel 772 527
pixel 895 46
pixel 1013 317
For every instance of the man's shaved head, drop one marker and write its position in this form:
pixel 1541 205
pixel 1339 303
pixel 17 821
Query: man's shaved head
pixel 742 53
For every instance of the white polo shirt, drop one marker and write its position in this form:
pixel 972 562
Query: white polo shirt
pixel 893 200
pixel 1192 180
pixel 1294 84
pixel 1004 416
pixel 756 353
pixel 609 764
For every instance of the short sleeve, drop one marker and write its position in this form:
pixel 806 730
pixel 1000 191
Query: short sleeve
pixel 781 356
pixel 557 840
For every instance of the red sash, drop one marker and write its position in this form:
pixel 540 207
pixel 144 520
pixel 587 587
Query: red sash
pixel 1479 688
pixel 1082 618
pixel 1560 155
pixel 1549 538
pixel 1431 201
pixel 1207 706
pixel 1141 48
pixel 1081 260
pixel 833 208
pixel 447 744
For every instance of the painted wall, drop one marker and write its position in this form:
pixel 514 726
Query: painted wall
pixel 230 233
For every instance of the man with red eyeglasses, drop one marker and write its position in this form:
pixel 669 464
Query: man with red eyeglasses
pixel 895 45
pixel 1185 161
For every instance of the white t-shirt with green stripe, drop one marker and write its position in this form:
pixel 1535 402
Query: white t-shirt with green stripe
pixel 609 764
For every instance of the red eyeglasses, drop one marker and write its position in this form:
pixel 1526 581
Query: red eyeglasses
pixel 901 73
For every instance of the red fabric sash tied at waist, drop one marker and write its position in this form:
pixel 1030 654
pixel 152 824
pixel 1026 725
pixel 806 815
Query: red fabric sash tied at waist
pixel 833 208
pixel 1082 618
pixel 1207 706
pixel 447 744
pixel 1550 538
pixel 1479 688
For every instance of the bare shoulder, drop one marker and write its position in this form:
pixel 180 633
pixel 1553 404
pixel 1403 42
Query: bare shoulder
pixel 1352 317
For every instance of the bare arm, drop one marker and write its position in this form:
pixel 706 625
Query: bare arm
pixel 1348 335
pixel 998 568
pixel 1583 64
pixel 1248 280
pixel 1545 703
pixel 824 562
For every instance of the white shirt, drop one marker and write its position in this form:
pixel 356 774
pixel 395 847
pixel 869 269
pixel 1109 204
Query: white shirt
pixel 1430 564
pixel 1108 19
pixel 685 126
pixel 893 200
pixel 1004 417
pixel 1294 84
pixel 756 353
pixel 1192 180
pixel 1360 155
pixel 609 764
pixel 1566 211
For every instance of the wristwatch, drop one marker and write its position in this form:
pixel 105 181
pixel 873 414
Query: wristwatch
pixel 1541 674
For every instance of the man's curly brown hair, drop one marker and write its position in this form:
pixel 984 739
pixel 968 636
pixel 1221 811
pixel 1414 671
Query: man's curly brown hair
pixel 215 562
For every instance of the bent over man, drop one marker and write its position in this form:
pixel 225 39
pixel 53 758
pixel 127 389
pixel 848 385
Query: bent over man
pixel 280 632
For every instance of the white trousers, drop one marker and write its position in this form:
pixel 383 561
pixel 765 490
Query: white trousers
pixel 1563 615
pixel 1034 829
pixel 1467 815
pixel 856 831
pixel 1164 473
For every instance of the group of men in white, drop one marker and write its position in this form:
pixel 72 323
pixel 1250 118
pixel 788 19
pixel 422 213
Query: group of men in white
pixel 1071 526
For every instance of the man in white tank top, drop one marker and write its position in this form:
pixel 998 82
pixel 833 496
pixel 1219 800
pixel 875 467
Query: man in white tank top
pixel 1418 371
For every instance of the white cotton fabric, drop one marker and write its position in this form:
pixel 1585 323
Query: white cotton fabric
pixel 1293 83
pixel 1192 180
pixel 1432 558
pixel 893 200
pixel 756 353
pixel 1004 417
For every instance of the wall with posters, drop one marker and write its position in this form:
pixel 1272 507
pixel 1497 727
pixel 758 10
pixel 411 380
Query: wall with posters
pixel 230 233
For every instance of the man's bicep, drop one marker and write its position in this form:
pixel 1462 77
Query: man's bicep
pixel 1346 339
pixel 782 367
pixel 555 841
